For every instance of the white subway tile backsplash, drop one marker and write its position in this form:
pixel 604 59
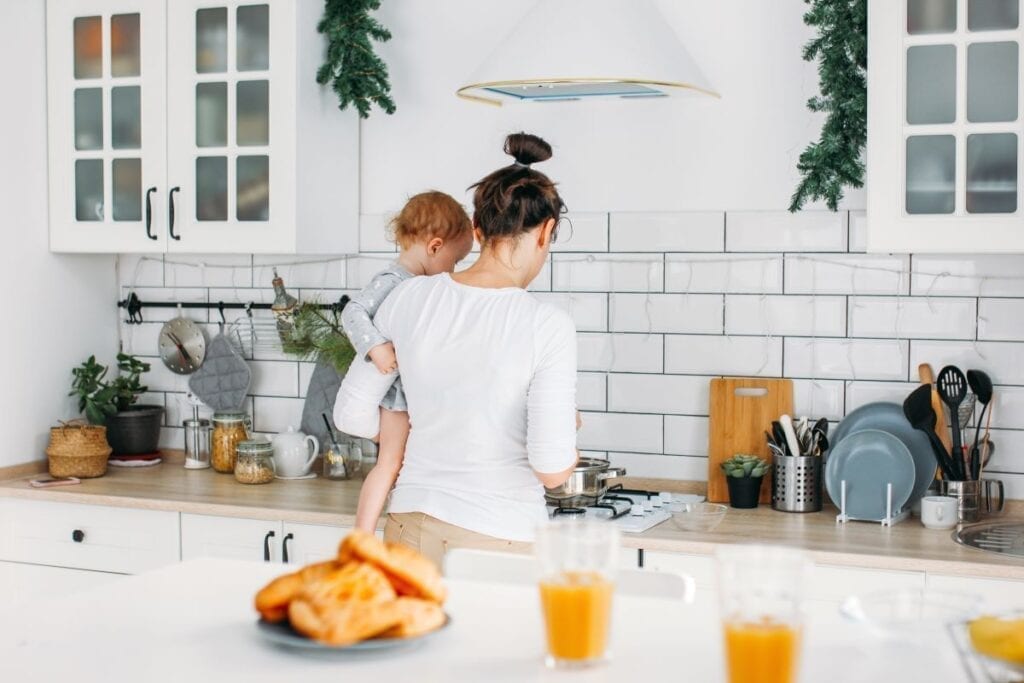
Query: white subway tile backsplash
pixel 274 378
pixel 1009 445
pixel 818 316
pixel 859 393
pixel 375 233
pixel 275 415
pixel 881 359
pixel 591 391
pixel 141 340
pixel 835 274
pixel 905 317
pixel 608 273
pixel 661 466
pixel 210 270
pixel 785 231
pixel 730 274
pixel 159 378
pixel 1008 408
pixel 818 398
pixel 582 232
pixel 968 275
pixel 620 432
pixel 658 232
pixel 1001 360
pixel 588 311
pixel 686 435
pixel 359 270
pixel 666 394
pixel 1001 319
pixel 718 355
pixel 678 313
pixel 541 283
pixel 318 270
pixel 141 270
pixel 619 352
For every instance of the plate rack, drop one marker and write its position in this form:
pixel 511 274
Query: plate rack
pixel 890 517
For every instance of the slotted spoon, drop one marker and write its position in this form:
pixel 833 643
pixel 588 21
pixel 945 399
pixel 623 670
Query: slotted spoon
pixel 953 390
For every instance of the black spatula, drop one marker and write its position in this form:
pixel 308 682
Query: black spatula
pixel 981 385
pixel 953 390
pixel 918 409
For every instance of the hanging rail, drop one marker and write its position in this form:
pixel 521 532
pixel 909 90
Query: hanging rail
pixel 134 306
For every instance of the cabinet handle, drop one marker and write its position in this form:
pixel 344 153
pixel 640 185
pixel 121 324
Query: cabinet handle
pixel 266 545
pixel 170 213
pixel 149 214
pixel 77 535
pixel 284 547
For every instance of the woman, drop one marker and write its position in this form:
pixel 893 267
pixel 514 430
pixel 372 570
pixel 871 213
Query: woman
pixel 490 379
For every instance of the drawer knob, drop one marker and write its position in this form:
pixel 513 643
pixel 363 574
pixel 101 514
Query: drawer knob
pixel 77 535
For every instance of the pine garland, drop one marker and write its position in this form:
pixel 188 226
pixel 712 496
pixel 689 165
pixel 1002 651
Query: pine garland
pixel 836 160
pixel 355 72
pixel 316 335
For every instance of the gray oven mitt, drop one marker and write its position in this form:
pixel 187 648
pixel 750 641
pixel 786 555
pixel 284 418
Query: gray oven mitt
pixel 223 380
pixel 320 396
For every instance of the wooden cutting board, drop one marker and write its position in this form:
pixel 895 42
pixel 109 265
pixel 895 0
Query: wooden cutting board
pixel 741 409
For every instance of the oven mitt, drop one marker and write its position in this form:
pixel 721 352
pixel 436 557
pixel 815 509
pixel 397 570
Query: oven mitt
pixel 320 396
pixel 223 380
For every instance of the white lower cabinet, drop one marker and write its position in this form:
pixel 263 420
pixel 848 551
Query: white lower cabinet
pixel 308 543
pixel 20 582
pixel 238 538
pixel 995 594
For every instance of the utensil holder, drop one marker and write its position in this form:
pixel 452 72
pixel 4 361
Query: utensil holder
pixel 968 496
pixel 796 483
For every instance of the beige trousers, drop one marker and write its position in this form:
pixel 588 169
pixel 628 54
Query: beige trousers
pixel 434 538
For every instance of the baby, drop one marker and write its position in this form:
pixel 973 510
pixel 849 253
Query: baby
pixel 433 234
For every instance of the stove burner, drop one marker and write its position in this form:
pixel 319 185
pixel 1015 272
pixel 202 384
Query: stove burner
pixel 568 512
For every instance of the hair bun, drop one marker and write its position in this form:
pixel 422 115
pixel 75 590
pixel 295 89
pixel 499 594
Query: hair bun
pixel 527 149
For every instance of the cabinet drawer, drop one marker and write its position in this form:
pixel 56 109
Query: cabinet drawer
pixel 996 594
pixel 95 537
pixel 231 538
pixel 309 543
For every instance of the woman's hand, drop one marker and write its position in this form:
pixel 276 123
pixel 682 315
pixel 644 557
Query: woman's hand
pixel 383 357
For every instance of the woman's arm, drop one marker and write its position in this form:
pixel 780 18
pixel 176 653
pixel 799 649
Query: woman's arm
pixel 394 431
pixel 551 400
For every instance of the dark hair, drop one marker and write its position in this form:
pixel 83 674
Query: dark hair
pixel 427 215
pixel 516 198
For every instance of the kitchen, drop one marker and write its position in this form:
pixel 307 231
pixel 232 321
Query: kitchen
pixel 680 263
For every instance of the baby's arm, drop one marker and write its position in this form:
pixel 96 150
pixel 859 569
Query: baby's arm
pixel 394 430
pixel 357 321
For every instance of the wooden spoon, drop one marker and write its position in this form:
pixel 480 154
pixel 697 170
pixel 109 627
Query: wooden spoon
pixel 927 377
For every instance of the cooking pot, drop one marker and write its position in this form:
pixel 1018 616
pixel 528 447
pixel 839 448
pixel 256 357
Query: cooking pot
pixel 588 480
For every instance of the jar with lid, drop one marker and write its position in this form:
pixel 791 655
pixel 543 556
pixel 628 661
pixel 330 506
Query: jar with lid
pixel 255 463
pixel 197 443
pixel 229 429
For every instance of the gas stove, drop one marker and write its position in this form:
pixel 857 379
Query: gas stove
pixel 634 511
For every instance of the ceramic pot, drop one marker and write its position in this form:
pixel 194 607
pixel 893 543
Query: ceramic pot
pixel 744 492
pixel 135 431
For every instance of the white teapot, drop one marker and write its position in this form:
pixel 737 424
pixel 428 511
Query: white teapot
pixel 294 453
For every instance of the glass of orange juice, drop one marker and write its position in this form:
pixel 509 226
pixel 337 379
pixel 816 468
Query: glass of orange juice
pixel 578 560
pixel 761 589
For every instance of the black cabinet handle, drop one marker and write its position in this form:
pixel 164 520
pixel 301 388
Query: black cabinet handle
pixel 266 545
pixel 284 547
pixel 77 535
pixel 149 214
pixel 170 213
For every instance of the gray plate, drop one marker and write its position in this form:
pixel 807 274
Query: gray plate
pixel 889 417
pixel 868 460
pixel 284 635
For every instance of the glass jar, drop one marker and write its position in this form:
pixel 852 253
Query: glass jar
pixel 229 429
pixel 255 462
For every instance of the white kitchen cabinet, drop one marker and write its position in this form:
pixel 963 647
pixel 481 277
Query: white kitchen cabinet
pixel 945 126
pixel 996 594
pixel 20 582
pixel 191 126
pixel 308 543
pixel 230 538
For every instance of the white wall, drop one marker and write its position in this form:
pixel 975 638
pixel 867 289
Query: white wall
pixel 738 152
pixel 58 309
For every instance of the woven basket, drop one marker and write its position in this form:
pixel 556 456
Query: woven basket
pixel 78 450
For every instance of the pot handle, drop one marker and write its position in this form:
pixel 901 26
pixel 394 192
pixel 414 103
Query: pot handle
pixel 611 473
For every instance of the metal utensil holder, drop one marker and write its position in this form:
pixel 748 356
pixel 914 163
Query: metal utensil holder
pixel 796 483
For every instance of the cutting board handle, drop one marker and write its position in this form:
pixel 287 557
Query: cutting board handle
pixel 750 392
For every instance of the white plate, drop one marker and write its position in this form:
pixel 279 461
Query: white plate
pixel 868 460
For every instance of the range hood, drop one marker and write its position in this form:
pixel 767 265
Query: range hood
pixel 587 49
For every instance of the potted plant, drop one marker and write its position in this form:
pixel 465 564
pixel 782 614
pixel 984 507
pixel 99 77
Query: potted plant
pixel 743 475
pixel 131 429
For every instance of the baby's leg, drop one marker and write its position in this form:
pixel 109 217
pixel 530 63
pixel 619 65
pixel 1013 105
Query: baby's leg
pixel 394 431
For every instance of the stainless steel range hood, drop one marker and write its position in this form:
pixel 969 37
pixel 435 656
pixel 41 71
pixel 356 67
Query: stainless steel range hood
pixel 587 49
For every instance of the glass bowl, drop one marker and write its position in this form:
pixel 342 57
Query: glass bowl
pixel 986 665
pixel 907 613
pixel 698 516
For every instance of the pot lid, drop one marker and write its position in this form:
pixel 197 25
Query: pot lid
pixel 586 49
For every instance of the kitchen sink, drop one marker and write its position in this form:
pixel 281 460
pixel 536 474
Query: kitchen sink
pixel 1003 539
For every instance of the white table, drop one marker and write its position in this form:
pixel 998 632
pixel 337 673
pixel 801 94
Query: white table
pixel 194 622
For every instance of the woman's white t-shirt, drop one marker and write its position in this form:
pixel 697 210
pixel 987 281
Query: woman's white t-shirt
pixel 490 380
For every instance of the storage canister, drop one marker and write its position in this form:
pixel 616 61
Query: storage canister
pixel 229 429
pixel 255 463
pixel 796 483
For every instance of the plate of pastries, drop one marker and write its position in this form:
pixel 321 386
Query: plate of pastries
pixel 372 595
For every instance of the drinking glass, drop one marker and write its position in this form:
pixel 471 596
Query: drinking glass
pixel 578 560
pixel 760 589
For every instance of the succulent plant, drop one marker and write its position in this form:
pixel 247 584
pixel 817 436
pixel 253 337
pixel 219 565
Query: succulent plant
pixel 740 466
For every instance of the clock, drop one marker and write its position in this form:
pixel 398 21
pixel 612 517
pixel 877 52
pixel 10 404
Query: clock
pixel 182 346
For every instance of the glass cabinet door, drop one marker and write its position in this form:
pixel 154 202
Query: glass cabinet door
pixel 106 124
pixel 230 77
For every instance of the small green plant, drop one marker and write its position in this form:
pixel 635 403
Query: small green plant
pixel 99 398
pixel 740 466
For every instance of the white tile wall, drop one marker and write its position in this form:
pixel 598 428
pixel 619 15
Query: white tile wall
pixel 662 303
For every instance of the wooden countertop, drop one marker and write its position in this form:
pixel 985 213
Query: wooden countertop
pixel 905 546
